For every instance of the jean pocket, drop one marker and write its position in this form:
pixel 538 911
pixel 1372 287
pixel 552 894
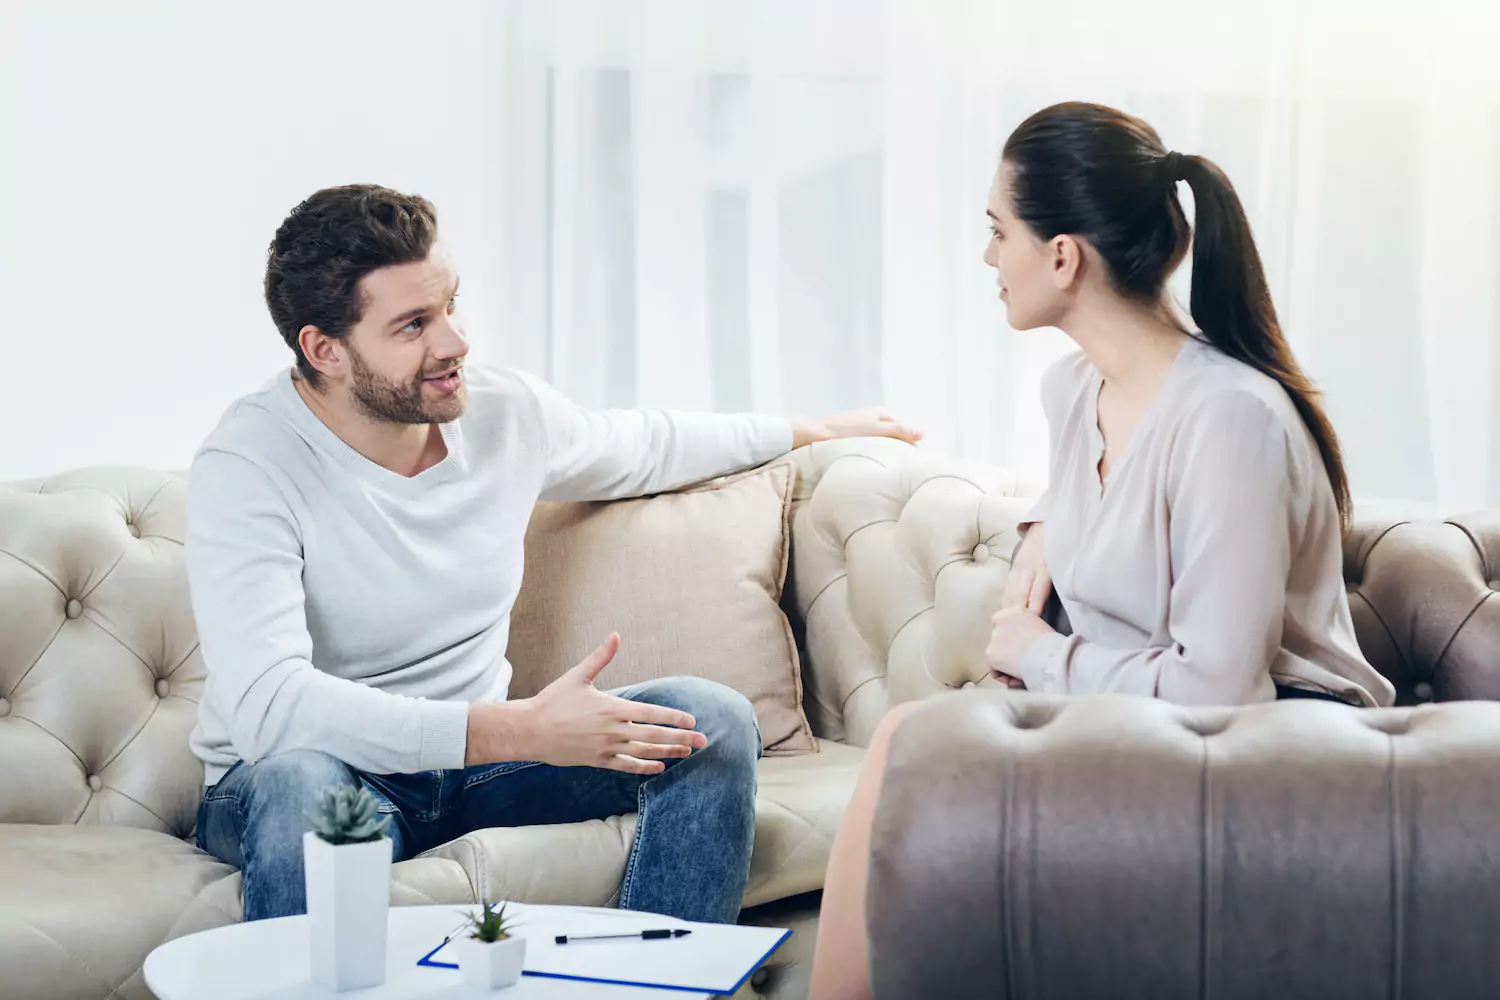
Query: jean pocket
pixel 383 802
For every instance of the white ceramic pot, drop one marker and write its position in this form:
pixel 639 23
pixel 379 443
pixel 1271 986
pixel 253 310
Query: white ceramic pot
pixel 491 964
pixel 348 899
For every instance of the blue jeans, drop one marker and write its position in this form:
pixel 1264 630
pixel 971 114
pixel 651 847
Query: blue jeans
pixel 692 847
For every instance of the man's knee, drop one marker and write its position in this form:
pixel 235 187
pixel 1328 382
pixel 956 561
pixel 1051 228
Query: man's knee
pixel 722 714
pixel 283 786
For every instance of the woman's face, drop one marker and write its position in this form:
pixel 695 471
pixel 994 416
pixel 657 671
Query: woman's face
pixel 1025 266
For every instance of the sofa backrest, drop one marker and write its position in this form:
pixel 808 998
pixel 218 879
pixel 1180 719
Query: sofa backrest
pixel 898 559
pixel 99 668
pixel 1423 596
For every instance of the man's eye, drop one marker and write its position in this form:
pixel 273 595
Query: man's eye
pixel 413 327
pixel 453 302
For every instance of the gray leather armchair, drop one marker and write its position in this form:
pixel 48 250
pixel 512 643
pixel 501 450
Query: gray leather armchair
pixel 1116 847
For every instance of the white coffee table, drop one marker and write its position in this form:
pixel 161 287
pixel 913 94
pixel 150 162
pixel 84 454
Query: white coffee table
pixel 268 959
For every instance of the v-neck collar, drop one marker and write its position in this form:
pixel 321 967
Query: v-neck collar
pixel 452 464
pixel 1100 484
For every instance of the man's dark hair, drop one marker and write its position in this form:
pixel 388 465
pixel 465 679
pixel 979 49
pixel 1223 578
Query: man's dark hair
pixel 329 242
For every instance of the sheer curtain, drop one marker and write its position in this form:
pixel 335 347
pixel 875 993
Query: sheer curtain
pixel 780 206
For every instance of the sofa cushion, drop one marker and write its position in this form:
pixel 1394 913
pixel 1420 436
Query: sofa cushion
pixel 797 812
pixel 691 581
pixel 82 906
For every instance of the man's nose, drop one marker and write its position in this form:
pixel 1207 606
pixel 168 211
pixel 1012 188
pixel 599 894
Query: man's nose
pixel 449 341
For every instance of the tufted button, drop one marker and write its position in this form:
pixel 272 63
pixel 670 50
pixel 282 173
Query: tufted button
pixel 134 528
pixel 1389 726
pixel 1206 727
pixel 95 782
pixel 161 687
pixel 75 608
pixel 4 708
pixel 761 977
pixel 981 552
pixel 1031 716
pixel 1422 691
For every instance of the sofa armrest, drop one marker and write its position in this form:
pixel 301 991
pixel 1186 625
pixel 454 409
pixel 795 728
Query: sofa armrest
pixel 898 561
pixel 1110 846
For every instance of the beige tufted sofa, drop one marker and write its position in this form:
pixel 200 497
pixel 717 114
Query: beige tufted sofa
pixel 896 560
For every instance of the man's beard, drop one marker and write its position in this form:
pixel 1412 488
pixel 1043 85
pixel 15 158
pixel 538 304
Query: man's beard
pixel 397 402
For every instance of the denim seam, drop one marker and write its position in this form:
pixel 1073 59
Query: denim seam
pixel 628 882
pixel 239 814
pixel 512 767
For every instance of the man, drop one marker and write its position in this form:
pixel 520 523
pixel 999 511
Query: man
pixel 354 550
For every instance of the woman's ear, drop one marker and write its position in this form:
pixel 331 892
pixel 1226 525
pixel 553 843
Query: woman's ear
pixel 1067 261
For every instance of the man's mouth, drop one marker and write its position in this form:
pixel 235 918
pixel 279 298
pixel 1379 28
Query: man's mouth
pixel 446 381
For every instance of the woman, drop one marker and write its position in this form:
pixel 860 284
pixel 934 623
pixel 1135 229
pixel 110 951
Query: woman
pixel 1194 522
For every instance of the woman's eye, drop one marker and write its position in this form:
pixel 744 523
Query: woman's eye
pixel 453 302
pixel 413 327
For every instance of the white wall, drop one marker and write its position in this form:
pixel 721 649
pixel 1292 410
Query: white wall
pixel 149 152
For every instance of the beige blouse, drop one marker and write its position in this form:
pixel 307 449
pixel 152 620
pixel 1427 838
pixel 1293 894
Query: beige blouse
pixel 1210 566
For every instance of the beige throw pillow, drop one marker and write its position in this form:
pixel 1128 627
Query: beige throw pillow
pixel 692 582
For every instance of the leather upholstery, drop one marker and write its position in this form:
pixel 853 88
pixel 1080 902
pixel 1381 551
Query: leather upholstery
pixel 99 668
pixel 1103 847
pixel 1423 599
pixel 898 561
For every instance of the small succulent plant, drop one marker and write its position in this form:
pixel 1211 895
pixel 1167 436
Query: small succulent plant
pixel 344 814
pixel 490 925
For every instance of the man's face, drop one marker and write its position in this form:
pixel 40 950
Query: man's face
pixel 406 352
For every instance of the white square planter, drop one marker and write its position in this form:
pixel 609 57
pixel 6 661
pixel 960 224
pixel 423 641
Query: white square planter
pixel 491 964
pixel 348 899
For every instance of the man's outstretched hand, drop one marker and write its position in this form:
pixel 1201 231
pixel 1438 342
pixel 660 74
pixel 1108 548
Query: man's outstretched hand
pixel 572 723
pixel 873 421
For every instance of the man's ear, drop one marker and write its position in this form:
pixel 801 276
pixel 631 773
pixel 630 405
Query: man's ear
pixel 321 351
pixel 1067 261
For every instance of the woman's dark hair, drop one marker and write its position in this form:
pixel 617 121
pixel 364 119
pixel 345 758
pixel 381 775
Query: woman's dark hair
pixel 329 242
pixel 1103 175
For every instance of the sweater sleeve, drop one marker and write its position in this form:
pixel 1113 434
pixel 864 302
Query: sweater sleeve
pixel 1232 500
pixel 615 454
pixel 244 565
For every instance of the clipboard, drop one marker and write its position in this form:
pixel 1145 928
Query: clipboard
pixel 715 958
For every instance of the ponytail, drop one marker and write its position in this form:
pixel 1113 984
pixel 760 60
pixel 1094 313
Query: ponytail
pixel 1105 175
pixel 1231 304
